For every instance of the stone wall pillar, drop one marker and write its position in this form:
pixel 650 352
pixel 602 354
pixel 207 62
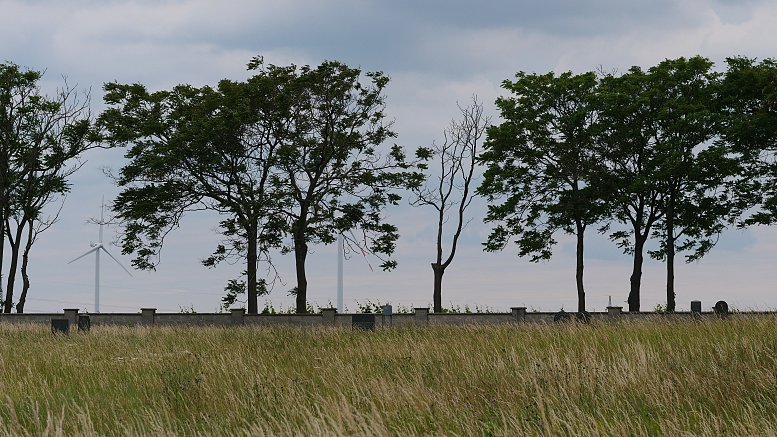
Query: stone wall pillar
pixel 328 316
pixel 519 314
pixel 72 315
pixel 614 312
pixel 421 316
pixel 238 315
pixel 148 315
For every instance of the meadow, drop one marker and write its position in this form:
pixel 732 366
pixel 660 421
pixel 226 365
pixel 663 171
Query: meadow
pixel 630 378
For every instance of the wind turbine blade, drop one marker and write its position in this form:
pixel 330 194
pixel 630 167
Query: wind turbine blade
pixel 85 254
pixel 114 258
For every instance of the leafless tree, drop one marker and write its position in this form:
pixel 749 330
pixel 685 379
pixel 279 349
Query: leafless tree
pixel 450 191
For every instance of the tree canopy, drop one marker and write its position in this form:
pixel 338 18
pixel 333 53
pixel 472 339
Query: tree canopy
pixel 201 149
pixel 41 138
pixel 669 179
pixel 335 175
pixel 292 151
pixel 541 161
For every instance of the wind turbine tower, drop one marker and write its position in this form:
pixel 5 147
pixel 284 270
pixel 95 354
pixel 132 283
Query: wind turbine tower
pixel 96 248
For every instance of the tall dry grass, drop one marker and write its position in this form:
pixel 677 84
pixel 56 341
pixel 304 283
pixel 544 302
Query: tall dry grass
pixel 646 378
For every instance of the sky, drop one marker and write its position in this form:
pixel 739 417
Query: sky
pixel 437 53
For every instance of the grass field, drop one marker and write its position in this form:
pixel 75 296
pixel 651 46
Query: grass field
pixel 645 378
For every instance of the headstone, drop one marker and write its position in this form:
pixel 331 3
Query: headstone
pixel 84 323
pixel 696 307
pixel 363 321
pixel 387 310
pixel 721 309
pixel 562 316
pixel 60 326
pixel 583 316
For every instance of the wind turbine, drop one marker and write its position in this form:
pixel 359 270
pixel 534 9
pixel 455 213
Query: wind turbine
pixel 96 248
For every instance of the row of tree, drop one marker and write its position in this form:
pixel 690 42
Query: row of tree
pixel 291 157
pixel 676 153
pixel 295 156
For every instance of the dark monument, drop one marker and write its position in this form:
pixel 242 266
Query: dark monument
pixel 363 321
pixel 583 316
pixel 84 323
pixel 60 326
pixel 721 309
pixel 696 307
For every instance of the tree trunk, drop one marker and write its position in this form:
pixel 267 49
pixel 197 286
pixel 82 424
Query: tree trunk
pixel 579 268
pixel 670 255
pixel 300 255
pixel 25 262
pixel 13 266
pixel 251 268
pixel 2 252
pixel 636 274
pixel 437 296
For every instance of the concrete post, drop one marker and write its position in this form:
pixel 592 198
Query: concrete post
pixel 238 315
pixel 421 316
pixel 328 316
pixel 148 314
pixel 614 312
pixel 72 315
pixel 519 314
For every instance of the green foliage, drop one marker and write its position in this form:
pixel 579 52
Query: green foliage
pixel 202 148
pixel 543 166
pixel 41 138
pixel 236 288
pixel 370 307
pixel 290 152
pixel 269 308
pixel 651 150
pixel 541 163
pixel 664 120
pixel 334 177
pixel 748 104
pixel 669 179
pixel 187 310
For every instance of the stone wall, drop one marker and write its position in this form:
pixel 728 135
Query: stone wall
pixel 330 317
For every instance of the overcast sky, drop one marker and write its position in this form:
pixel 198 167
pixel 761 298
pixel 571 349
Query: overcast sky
pixel 437 53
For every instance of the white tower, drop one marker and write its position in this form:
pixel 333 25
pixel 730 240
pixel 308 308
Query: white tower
pixel 96 248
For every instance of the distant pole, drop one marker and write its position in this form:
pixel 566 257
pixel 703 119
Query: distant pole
pixel 97 259
pixel 340 255
pixel 97 282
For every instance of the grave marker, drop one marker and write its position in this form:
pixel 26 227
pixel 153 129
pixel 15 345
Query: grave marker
pixel 363 321
pixel 60 326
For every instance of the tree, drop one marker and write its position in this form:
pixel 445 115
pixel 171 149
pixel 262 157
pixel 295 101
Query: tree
pixel 456 157
pixel 39 190
pixel 202 149
pixel 695 174
pixel 748 106
pixel 627 106
pixel 671 182
pixel 541 161
pixel 41 138
pixel 335 179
